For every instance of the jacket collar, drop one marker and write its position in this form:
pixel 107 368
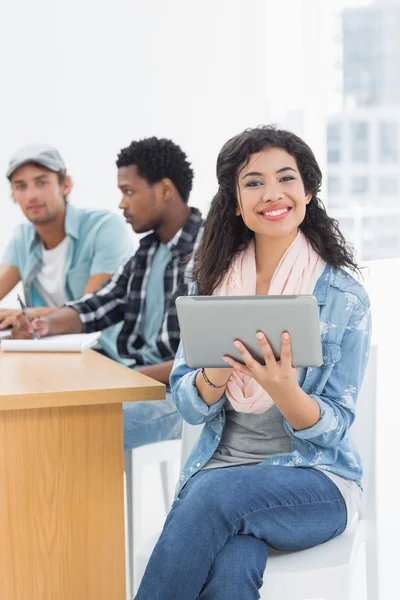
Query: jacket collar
pixel 72 223
pixel 183 241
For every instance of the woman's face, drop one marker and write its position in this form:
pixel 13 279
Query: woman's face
pixel 271 196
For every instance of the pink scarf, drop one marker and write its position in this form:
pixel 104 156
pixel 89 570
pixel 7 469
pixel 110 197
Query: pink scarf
pixel 297 273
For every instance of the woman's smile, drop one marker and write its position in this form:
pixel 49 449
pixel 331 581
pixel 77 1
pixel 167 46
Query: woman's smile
pixel 275 213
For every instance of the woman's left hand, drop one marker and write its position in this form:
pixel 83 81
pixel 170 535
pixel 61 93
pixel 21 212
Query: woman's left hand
pixel 276 376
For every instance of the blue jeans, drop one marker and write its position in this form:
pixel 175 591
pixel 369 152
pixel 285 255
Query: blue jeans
pixel 150 421
pixel 215 540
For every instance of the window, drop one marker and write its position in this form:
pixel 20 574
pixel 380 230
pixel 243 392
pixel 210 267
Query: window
pixel 359 185
pixel 333 142
pixel 388 186
pixel 334 185
pixel 388 134
pixel 381 238
pixel 347 227
pixel 359 141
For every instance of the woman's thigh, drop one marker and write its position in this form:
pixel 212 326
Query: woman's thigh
pixel 288 508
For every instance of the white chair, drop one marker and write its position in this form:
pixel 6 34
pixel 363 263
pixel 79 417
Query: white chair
pixel 167 455
pixel 324 571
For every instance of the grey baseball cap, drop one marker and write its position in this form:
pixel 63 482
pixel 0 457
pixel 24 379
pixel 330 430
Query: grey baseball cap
pixel 41 154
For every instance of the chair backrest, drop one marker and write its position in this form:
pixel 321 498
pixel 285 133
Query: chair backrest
pixel 190 435
pixel 363 433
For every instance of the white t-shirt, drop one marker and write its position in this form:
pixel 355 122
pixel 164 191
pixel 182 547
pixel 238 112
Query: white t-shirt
pixel 351 492
pixel 50 282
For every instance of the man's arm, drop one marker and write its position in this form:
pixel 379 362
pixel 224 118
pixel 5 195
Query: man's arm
pixel 95 282
pixel 62 320
pixel 93 312
pixel 9 316
pixel 9 277
pixel 160 372
pixel 106 306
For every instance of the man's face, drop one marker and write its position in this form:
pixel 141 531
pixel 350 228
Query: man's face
pixel 39 193
pixel 141 202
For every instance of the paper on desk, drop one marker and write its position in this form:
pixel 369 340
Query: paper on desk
pixel 74 342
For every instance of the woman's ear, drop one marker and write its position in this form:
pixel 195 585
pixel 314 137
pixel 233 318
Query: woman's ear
pixel 237 211
pixel 308 198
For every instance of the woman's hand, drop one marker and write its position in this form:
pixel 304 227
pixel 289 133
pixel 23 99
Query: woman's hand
pixel 276 377
pixel 280 380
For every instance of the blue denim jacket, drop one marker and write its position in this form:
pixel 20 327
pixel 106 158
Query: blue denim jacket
pixel 345 326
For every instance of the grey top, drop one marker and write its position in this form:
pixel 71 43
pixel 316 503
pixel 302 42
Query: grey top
pixel 249 438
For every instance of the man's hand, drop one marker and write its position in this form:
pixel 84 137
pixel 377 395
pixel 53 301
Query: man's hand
pixel 159 372
pixel 8 317
pixel 23 328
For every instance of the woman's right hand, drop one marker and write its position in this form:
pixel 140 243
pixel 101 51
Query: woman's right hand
pixel 23 328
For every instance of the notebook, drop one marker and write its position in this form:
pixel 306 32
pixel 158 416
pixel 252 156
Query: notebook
pixel 74 342
pixel 4 333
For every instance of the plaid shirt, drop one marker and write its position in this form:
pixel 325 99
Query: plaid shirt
pixel 122 297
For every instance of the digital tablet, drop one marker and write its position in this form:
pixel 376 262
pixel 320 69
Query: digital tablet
pixel 210 324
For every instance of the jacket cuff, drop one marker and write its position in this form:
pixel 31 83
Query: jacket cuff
pixel 193 404
pixel 326 422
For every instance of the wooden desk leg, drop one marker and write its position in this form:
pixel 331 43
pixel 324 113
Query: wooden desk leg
pixel 62 504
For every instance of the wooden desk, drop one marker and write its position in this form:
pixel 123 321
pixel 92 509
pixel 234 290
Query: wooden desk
pixel 61 474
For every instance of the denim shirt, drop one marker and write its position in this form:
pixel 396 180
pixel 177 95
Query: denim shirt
pixel 345 327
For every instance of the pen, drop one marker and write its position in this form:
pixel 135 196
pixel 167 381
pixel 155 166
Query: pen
pixel 25 313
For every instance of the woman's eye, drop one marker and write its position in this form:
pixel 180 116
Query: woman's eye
pixel 253 183
pixel 287 178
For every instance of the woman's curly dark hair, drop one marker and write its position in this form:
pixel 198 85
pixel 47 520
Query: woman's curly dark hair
pixel 226 234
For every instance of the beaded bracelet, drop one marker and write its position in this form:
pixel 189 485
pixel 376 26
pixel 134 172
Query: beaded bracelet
pixel 208 382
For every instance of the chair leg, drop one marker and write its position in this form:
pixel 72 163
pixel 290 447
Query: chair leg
pixel 371 567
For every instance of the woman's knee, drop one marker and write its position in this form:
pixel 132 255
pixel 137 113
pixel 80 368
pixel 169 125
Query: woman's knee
pixel 241 556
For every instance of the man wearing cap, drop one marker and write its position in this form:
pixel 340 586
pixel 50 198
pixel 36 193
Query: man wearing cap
pixel 63 252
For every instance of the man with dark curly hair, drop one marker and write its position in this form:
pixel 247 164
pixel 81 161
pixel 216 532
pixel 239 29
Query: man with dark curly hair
pixel 155 179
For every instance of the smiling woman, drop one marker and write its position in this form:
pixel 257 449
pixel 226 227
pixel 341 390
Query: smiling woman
pixel 259 171
pixel 242 486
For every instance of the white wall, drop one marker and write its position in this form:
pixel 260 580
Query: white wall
pixel 91 76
